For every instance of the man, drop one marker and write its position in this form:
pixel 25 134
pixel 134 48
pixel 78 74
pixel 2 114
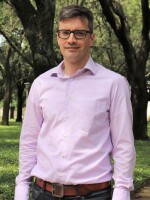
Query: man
pixel 78 118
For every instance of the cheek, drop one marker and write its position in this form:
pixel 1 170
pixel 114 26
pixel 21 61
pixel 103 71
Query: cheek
pixel 88 42
pixel 61 46
pixel 60 42
pixel 87 45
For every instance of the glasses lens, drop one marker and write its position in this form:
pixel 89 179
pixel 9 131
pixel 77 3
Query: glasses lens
pixel 79 34
pixel 64 34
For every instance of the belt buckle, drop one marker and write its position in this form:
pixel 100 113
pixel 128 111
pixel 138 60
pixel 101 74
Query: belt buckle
pixel 57 190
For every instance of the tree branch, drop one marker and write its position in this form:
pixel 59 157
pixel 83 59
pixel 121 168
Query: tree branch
pixel 14 47
pixel 146 19
pixel 2 69
pixel 121 30
pixel 24 10
pixel 108 14
pixel 145 41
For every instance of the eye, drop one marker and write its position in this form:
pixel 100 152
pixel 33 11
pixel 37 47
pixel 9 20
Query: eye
pixel 65 32
pixel 80 33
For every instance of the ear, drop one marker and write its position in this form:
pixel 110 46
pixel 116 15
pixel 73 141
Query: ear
pixel 92 38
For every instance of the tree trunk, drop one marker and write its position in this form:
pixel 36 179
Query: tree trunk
pixel 20 89
pixel 8 89
pixel 38 25
pixel 6 104
pixel 12 112
pixel 139 102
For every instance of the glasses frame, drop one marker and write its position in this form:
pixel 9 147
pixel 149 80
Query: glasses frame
pixel 86 32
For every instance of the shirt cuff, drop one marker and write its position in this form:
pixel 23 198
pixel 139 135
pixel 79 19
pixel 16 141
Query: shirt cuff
pixel 21 192
pixel 121 193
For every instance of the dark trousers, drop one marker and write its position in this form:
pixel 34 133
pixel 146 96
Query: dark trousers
pixel 39 194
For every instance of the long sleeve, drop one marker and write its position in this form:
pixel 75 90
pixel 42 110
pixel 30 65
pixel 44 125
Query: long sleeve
pixel 122 139
pixel 28 145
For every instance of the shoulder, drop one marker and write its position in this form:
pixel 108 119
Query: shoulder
pixel 108 74
pixel 42 79
pixel 46 75
pixel 114 79
pixel 105 72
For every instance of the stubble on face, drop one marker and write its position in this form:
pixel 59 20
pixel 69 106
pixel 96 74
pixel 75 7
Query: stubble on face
pixel 73 50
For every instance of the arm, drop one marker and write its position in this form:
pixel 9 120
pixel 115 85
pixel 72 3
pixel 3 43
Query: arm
pixel 123 152
pixel 28 144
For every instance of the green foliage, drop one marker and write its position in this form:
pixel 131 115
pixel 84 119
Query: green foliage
pixel 9 139
pixel 142 169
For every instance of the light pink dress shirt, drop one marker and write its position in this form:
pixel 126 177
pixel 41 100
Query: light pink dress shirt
pixel 72 125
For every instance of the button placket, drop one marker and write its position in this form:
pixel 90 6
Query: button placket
pixel 66 117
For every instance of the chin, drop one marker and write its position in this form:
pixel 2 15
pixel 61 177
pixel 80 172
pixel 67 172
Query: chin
pixel 72 57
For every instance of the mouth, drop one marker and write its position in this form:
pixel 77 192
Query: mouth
pixel 72 48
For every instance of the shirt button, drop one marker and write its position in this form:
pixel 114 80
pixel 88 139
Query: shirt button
pixel 62 155
pixel 66 116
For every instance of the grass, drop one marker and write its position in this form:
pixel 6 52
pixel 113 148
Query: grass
pixel 142 168
pixel 9 145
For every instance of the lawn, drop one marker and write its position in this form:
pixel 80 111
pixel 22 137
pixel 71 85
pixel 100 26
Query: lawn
pixel 9 139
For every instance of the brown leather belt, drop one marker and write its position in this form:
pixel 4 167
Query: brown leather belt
pixel 59 190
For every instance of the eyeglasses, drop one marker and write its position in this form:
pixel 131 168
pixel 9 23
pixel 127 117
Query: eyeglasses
pixel 78 34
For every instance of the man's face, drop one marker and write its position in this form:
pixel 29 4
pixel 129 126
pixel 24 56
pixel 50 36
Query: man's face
pixel 75 50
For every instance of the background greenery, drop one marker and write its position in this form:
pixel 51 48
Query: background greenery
pixel 9 145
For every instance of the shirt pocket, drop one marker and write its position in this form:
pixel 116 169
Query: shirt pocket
pixel 92 116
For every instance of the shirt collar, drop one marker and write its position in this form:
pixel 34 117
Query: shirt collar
pixel 90 65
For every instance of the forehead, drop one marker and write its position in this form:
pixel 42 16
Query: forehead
pixel 74 23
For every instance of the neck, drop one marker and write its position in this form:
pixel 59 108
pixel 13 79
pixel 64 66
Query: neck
pixel 72 67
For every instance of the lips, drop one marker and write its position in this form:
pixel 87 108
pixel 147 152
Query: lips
pixel 72 48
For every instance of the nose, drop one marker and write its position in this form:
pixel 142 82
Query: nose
pixel 71 38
